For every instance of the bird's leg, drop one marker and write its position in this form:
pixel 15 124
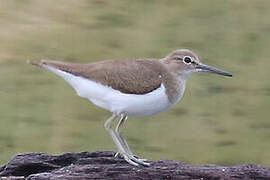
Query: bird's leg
pixel 108 127
pixel 119 133
pixel 125 144
pixel 116 140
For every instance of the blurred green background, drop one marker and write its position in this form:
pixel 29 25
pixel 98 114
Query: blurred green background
pixel 220 120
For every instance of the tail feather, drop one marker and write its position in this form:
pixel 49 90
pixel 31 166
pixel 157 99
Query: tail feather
pixel 33 63
pixel 44 62
pixel 48 64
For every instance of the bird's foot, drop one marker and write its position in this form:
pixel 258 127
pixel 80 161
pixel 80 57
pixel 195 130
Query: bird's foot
pixel 133 160
pixel 141 159
pixel 117 154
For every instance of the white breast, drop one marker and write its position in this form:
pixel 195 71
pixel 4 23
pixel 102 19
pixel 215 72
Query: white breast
pixel 114 100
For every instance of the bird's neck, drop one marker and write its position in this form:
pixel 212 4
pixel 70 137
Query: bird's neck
pixel 177 90
pixel 174 85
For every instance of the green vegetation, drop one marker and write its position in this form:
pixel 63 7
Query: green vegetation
pixel 220 120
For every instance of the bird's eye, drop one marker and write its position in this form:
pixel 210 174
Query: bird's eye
pixel 187 60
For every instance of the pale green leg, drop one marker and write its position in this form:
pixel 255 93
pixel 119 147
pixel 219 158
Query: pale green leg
pixel 124 142
pixel 121 144
pixel 116 140
pixel 119 133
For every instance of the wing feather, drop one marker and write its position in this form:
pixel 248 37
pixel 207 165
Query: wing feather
pixel 131 77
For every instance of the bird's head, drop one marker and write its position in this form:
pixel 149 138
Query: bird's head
pixel 185 62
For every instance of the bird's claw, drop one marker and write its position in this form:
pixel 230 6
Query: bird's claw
pixel 133 160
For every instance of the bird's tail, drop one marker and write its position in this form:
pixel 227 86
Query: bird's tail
pixel 34 63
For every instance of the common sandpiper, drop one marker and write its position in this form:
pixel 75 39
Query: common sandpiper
pixel 138 87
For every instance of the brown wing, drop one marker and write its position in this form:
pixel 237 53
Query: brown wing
pixel 132 76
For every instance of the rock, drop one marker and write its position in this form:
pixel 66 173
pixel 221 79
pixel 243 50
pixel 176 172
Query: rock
pixel 103 165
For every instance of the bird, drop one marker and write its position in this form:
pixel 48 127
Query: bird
pixel 136 87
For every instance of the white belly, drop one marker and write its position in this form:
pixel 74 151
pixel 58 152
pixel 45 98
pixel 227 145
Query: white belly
pixel 114 100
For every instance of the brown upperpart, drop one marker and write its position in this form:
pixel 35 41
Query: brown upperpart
pixel 139 76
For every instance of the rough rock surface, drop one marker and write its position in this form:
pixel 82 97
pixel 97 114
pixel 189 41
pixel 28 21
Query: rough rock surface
pixel 103 165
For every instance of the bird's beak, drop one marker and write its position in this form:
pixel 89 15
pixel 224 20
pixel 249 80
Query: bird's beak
pixel 206 68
